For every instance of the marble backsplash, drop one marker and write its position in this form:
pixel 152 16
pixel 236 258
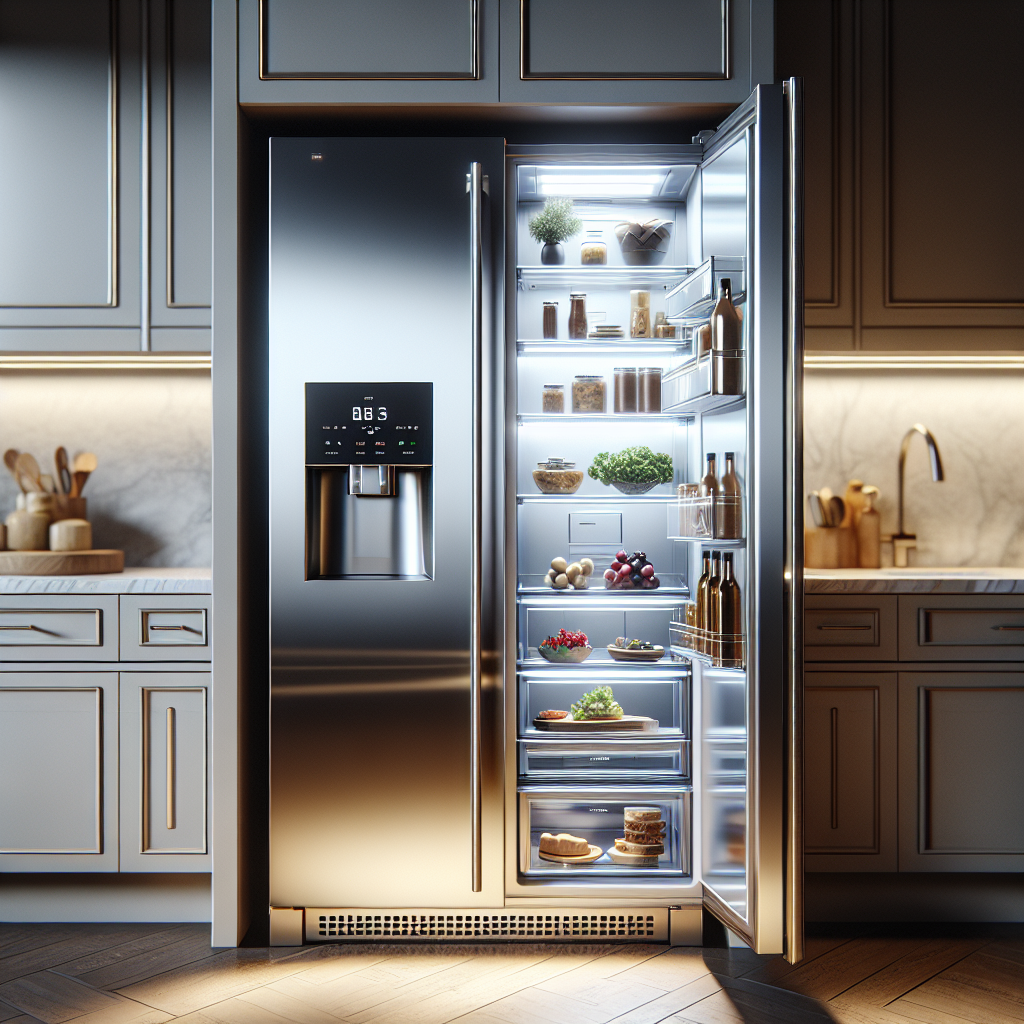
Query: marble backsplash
pixel 854 422
pixel 150 432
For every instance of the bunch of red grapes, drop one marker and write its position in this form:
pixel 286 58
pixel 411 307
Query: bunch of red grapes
pixel 566 638
pixel 631 572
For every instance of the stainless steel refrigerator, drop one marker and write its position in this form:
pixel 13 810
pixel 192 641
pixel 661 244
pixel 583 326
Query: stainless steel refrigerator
pixel 417 343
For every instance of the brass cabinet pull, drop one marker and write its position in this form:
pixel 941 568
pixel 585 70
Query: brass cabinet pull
pixel 1012 629
pixel 187 629
pixel 844 627
pixel 171 823
pixel 38 629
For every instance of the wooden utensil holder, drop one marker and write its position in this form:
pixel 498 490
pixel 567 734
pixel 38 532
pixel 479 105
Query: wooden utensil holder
pixel 830 547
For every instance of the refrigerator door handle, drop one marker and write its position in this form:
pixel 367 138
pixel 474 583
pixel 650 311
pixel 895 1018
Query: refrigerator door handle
pixel 475 181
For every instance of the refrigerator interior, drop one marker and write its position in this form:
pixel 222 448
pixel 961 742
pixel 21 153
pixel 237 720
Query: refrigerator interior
pixel 685 753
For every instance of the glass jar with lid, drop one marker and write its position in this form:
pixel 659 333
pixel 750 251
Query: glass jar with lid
pixel 625 389
pixel 550 320
pixel 649 389
pixel 577 315
pixel 593 248
pixel 556 476
pixel 588 393
pixel 553 398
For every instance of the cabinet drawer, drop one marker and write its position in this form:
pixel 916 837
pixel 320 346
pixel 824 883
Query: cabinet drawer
pixel 165 628
pixel 850 628
pixel 581 758
pixel 55 628
pixel 974 627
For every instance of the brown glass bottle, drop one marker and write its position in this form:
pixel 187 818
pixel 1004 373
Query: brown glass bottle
pixel 702 590
pixel 730 611
pixel 714 585
pixel 709 482
pixel 729 513
pixel 726 335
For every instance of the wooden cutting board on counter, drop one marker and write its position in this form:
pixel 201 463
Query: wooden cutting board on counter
pixel 60 563
pixel 627 723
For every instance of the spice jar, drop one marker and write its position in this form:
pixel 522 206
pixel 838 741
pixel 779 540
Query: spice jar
pixel 625 389
pixel 588 394
pixel 577 315
pixel 550 320
pixel 639 314
pixel 649 389
pixel 553 398
pixel 593 249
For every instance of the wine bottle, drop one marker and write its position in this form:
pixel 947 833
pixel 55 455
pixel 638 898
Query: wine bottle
pixel 714 586
pixel 729 610
pixel 709 482
pixel 702 590
pixel 729 514
pixel 726 334
pixel 705 510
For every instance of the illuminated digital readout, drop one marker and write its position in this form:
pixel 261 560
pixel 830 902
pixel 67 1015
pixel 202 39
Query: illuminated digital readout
pixel 359 423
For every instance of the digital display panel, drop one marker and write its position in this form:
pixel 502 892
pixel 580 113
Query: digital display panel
pixel 359 423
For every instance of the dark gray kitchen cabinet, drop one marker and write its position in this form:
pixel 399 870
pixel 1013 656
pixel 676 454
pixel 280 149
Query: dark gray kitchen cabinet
pixel 105 222
pixel 646 51
pixel 349 51
pixel 961 765
pixel 850 793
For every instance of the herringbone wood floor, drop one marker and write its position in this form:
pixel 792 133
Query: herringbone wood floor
pixel 149 974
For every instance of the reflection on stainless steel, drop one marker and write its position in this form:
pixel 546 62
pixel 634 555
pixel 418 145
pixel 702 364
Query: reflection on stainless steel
pixel 901 540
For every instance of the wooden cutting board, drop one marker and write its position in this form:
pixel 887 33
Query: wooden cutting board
pixel 60 563
pixel 627 723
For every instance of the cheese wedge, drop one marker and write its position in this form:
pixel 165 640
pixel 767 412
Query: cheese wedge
pixel 564 845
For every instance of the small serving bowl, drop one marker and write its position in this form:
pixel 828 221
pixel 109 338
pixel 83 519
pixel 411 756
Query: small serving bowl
pixel 566 655
pixel 630 488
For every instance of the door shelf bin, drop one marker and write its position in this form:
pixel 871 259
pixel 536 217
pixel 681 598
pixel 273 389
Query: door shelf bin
pixel 695 297
pixel 721 650
pixel 581 756
pixel 597 815
pixel 661 694
pixel 711 381
pixel 713 517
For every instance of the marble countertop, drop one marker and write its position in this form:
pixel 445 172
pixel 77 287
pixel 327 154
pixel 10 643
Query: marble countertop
pixel 131 581
pixel 915 580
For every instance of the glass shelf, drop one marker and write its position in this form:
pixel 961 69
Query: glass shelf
pixel 602 661
pixel 601 417
pixel 665 278
pixel 673 586
pixel 613 346
pixel 598 499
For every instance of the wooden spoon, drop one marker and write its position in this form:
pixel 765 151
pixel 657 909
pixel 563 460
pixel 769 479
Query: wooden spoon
pixel 60 461
pixel 11 462
pixel 28 469
pixel 84 464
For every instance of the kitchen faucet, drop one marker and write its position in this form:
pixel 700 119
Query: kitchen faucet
pixel 902 542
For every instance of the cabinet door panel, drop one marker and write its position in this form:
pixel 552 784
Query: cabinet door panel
pixel 69 165
pixel 164 772
pixel 968 627
pixel 846 627
pixel 181 223
pixel 58 762
pixel 961 762
pixel 850 771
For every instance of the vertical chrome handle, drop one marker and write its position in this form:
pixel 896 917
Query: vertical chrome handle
pixel 171 770
pixel 793 91
pixel 476 257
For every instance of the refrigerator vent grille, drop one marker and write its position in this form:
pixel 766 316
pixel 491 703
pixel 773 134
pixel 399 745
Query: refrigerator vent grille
pixel 489 926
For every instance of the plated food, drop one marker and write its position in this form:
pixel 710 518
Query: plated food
pixel 552 716
pixel 600 703
pixel 569 647
pixel 635 650
pixel 567 849
pixel 643 838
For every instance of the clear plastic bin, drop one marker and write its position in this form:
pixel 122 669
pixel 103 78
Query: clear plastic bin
pixel 722 650
pixel 619 759
pixel 711 517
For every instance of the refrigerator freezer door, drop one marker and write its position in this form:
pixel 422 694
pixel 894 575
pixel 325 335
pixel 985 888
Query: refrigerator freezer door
pixel 372 279
pixel 750 733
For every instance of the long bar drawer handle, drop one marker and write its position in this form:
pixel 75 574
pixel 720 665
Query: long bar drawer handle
pixel 845 627
pixel 187 629
pixel 171 770
pixel 1012 629
pixel 38 629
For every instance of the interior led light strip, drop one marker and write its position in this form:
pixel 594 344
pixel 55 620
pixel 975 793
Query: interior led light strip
pixel 912 361
pixel 114 361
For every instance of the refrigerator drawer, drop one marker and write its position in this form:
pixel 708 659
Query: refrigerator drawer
pixel 655 699
pixel 695 297
pixel 597 814
pixel 622 759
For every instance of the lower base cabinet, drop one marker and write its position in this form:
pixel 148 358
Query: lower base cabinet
pixel 104 771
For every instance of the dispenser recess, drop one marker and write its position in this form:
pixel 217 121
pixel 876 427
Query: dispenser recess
pixel 369 481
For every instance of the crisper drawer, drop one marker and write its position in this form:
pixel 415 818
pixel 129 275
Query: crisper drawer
pixel 597 814
pixel 158 627
pixel 655 699
pixel 967 627
pixel 848 627
pixel 51 627
pixel 584 758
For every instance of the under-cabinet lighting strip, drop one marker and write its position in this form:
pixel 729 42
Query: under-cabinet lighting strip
pixel 913 361
pixel 92 361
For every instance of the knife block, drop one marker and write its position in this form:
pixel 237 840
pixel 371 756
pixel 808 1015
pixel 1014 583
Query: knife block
pixel 830 547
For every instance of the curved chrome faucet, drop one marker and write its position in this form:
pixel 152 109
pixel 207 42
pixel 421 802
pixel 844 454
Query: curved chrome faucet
pixel 902 542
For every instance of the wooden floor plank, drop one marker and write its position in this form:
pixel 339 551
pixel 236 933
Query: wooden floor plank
pixel 213 979
pixel 738 1007
pixel 839 969
pixel 734 962
pixel 54 998
pixel 672 1002
pixel 578 981
pixel 323 964
pixel 668 971
pixel 843 1014
pixel 292 1010
pixel 945 995
pixel 909 971
pixel 774 968
pixel 7 1012
pixel 989 975
pixel 115 954
pixel 192 947
pixel 1007 950
pixel 238 1011
pixel 20 938
pixel 930 1015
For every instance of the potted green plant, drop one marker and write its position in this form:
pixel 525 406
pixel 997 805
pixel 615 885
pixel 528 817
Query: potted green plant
pixel 633 470
pixel 552 226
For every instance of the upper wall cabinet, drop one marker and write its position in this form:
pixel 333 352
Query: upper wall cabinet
pixel 350 51
pixel 105 224
pixel 645 51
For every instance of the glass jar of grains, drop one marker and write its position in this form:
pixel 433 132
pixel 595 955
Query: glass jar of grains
pixel 649 389
pixel 553 398
pixel 593 249
pixel 577 315
pixel 588 394
pixel 625 389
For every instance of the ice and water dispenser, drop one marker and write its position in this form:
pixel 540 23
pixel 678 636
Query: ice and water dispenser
pixel 369 480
